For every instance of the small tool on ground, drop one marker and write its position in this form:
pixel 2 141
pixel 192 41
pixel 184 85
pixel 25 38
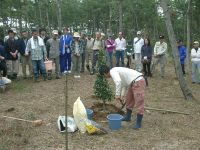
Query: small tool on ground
pixel 35 122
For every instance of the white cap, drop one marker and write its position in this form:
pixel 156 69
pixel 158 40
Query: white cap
pixel 196 42
pixel 55 32
pixel 102 34
pixel 139 32
pixel 14 30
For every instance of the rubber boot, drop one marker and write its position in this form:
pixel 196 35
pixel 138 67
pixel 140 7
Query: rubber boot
pixel 127 117
pixel 138 121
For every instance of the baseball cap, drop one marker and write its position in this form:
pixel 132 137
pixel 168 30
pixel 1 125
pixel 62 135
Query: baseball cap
pixel 55 32
pixel 161 37
pixel 138 32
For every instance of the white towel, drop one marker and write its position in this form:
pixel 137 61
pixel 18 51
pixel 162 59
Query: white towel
pixel 40 42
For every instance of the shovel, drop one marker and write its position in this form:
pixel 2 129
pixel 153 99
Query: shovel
pixel 35 122
pixel 123 104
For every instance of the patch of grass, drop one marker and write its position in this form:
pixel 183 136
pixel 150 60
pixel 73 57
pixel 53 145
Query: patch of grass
pixel 20 86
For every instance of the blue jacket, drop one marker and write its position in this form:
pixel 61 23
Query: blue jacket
pixel 67 40
pixel 182 53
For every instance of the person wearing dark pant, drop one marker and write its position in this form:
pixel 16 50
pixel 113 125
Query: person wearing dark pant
pixel 3 66
pixel 182 54
pixel 146 53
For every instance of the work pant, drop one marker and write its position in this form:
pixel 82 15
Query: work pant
pixel 159 60
pixel 26 60
pixel 56 60
pixel 13 67
pixel 135 96
pixel 83 61
pixel 119 56
pixel 183 68
pixel 138 64
pixel 65 62
pixel 95 58
pixel 88 56
pixel 76 64
pixel 3 68
pixel 196 72
pixel 109 59
pixel 38 65
pixel 147 68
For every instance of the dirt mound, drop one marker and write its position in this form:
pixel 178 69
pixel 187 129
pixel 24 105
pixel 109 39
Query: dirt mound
pixel 100 114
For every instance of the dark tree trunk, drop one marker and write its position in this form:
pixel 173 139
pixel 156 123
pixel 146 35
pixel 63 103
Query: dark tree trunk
pixel 183 85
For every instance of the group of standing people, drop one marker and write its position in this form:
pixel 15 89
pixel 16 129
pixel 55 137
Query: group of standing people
pixel 77 51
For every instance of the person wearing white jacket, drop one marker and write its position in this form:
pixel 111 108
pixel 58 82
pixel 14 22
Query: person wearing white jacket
pixel 195 59
pixel 130 86
pixel 138 42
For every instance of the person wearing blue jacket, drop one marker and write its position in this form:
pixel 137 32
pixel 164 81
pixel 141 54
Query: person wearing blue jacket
pixel 182 54
pixel 65 52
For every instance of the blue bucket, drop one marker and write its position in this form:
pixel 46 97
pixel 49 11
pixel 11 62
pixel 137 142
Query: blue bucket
pixel 114 121
pixel 89 113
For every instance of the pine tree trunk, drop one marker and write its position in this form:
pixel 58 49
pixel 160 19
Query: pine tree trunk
pixel 188 34
pixel 59 14
pixel 120 15
pixel 183 85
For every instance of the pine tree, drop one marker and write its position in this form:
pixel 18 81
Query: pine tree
pixel 101 87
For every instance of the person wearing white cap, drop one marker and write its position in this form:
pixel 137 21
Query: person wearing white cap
pixel 15 35
pixel 160 50
pixel 195 58
pixel 53 48
pixel 138 42
pixel 11 51
pixel 76 53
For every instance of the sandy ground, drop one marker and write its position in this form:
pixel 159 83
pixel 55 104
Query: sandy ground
pixel 46 101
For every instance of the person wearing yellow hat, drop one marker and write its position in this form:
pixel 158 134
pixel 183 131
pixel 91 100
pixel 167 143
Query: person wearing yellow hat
pixel 53 48
pixel 195 59
pixel 76 53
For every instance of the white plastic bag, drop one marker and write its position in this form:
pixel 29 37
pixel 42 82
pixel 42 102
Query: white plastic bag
pixel 6 80
pixel 71 125
pixel 80 115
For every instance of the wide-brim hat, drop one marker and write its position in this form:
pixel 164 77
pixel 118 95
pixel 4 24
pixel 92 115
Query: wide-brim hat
pixel 76 35
pixel 195 42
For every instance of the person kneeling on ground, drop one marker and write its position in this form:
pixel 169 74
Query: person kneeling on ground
pixel 134 82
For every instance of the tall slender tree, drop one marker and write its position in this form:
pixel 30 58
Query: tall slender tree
pixel 182 82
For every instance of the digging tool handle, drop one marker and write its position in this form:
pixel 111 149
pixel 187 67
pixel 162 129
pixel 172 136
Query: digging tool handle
pixel 172 111
pixel 18 119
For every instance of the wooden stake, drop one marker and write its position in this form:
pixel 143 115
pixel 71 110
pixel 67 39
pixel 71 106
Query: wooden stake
pixel 172 111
